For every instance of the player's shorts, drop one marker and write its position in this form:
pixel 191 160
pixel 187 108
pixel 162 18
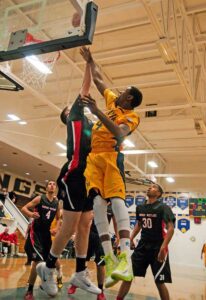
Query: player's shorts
pixel 143 256
pixel 73 192
pixel 105 172
pixel 95 249
pixel 40 245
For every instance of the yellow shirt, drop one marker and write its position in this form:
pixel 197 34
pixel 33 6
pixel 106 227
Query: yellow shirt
pixel 102 139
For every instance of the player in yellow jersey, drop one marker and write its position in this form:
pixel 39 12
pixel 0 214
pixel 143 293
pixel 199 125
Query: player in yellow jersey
pixel 105 168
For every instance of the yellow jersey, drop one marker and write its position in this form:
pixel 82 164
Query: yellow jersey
pixel 102 139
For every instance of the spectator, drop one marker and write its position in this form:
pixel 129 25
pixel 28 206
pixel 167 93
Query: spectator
pixel 13 197
pixel 5 239
pixel 14 244
pixel 3 194
pixel 2 215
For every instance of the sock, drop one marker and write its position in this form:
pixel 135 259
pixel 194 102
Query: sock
pixel 30 288
pixel 125 245
pixel 100 286
pixel 51 260
pixel 80 264
pixel 107 246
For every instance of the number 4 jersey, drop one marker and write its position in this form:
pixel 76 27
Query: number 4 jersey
pixel 47 211
pixel 153 219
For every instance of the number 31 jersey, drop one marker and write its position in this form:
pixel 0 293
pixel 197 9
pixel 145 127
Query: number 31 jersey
pixel 153 218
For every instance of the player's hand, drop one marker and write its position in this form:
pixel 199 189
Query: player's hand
pixel 161 254
pixel 35 215
pixel 132 244
pixel 86 54
pixel 53 232
pixel 90 103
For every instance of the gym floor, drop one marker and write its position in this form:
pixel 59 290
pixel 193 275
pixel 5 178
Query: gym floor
pixel 188 283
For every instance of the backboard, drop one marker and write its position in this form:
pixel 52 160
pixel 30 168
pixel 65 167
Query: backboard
pixel 55 25
pixel 9 84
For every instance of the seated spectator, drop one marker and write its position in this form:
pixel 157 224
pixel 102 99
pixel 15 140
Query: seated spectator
pixel 3 194
pixel 14 244
pixel 2 214
pixel 5 239
pixel 13 197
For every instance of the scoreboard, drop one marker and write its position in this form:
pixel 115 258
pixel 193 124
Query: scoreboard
pixel 197 207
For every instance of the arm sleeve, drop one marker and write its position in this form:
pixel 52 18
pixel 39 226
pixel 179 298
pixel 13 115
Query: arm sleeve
pixel 76 111
pixel 109 97
pixel 168 215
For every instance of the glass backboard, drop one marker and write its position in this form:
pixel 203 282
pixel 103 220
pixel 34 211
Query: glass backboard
pixel 50 25
pixel 9 84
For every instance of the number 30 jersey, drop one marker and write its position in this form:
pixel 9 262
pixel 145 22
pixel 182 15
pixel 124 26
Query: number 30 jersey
pixel 47 211
pixel 153 219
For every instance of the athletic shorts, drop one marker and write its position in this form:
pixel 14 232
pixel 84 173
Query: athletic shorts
pixel 73 192
pixel 105 172
pixel 143 256
pixel 95 249
pixel 40 245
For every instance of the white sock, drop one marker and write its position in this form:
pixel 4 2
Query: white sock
pixel 107 246
pixel 125 245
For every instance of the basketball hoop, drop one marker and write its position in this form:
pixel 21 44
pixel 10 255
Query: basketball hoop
pixel 36 68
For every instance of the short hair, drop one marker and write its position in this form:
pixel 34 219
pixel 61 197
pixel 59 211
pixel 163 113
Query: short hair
pixel 160 189
pixel 47 183
pixel 137 96
pixel 63 116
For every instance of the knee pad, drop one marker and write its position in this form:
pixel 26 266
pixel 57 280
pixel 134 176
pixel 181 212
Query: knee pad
pixel 100 215
pixel 120 213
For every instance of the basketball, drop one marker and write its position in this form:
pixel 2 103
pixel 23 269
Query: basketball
pixel 76 19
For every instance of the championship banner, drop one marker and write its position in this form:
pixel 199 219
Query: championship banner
pixel 129 200
pixel 197 207
pixel 170 199
pixel 140 198
pixel 183 201
pixel 183 223
pixel 133 221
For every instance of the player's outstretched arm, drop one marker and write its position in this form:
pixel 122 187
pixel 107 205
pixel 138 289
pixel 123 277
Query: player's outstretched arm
pixel 119 131
pixel 96 73
pixel 86 81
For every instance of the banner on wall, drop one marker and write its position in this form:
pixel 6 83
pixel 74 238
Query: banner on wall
pixel 132 221
pixel 140 198
pixel 183 200
pixel 197 207
pixel 183 223
pixel 170 199
pixel 21 186
pixel 129 200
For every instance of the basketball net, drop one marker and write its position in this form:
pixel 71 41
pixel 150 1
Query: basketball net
pixel 33 76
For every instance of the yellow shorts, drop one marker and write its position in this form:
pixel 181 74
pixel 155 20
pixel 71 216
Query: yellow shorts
pixel 105 172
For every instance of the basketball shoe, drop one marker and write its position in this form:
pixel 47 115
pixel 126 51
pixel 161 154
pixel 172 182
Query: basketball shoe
pixel 72 289
pixel 48 283
pixel 124 269
pixel 81 280
pixel 111 263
